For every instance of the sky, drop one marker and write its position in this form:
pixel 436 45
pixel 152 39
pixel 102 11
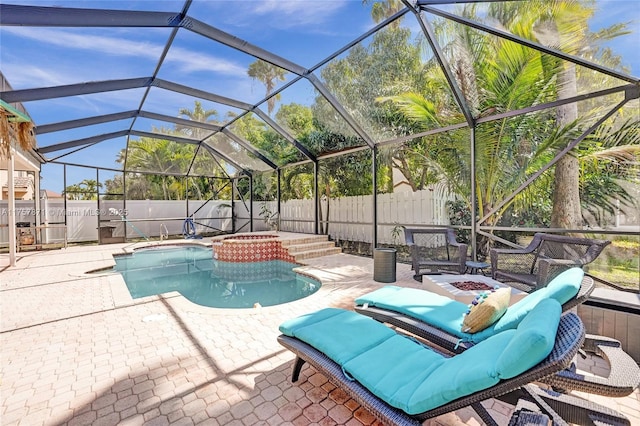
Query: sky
pixel 303 32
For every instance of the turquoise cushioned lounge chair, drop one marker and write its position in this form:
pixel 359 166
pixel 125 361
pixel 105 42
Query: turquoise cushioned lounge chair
pixel 438 319
pixel 402 381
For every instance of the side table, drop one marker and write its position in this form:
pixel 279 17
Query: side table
pixel 475 267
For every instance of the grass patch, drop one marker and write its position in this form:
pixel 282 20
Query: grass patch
pixel 619 263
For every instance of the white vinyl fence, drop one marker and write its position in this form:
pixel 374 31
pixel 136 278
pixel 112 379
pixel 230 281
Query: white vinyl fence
pixel 142 218
pixel 351 218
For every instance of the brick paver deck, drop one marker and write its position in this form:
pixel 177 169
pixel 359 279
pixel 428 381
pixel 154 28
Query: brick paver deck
pixel 76 349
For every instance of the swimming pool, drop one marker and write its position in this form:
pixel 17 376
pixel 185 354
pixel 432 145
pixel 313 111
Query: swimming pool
pixel 192 271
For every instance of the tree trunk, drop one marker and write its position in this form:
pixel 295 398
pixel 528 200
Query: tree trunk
pixel 327 194
pixel 566 211
pixel 165 190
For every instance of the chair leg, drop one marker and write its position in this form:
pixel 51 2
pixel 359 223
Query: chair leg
pixel 297 367
pixel 484 414
pixel 576 410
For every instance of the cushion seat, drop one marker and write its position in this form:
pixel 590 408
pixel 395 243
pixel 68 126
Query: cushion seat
pixel 447 314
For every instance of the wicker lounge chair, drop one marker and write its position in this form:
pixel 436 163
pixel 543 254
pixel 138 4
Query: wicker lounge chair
pixel 334 354
pixel 423 313
pixel 544 258
pixel 434 251
pixel 417 317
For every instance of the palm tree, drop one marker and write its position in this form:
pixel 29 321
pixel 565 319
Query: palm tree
pixel 508 150
pixel 382 10
pixel 163 157
pixel 87 189
pixel 562 25
pixel 269 75
pixel 200 115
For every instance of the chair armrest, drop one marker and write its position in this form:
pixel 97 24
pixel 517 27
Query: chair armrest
pixel 594 251
pixel 623 377
pixel 462 256
pixel 533 246
pixel 408 236
pixel 461 247
pixel 451 239
pixel 592 343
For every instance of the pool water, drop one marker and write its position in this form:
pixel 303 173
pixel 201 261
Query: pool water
pixel 194 273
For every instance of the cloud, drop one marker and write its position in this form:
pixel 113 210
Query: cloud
pixel 186 60
pixel 191 61
pixel 291 14
pixel 284 14
pixel 24 75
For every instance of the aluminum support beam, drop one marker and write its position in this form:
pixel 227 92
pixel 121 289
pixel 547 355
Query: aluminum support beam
pixel 161 59
pixel 241 45
pixel 430 35
pixel 251 203
pixel 234 182
pixel 246 145
pixel 340 109
pixel 89 121
pixel 27 95
pixel 427 2
pixel 37 16
pixel 181 121
pixel 215 152
pixel 629 90
pixel 197 93
pixel 285 134
pixel 425 133
pixel 81 142
pixel 474 196
pixel 316 197
pixel 164 136
pixel 374 219
pixel 11 220
pixel 364 36
pixel 279 192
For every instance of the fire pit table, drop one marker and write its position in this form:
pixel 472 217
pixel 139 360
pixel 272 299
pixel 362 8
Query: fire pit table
pixel 464 288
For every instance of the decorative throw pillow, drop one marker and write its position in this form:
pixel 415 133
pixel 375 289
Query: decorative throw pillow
pixel 486 309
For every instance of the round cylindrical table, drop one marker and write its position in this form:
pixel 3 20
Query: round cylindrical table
pixel 384 265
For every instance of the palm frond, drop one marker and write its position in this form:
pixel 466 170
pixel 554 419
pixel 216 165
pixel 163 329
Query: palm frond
pixel 619 154
pixel 415 107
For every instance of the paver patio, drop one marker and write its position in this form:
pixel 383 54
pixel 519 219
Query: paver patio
pixel 77 350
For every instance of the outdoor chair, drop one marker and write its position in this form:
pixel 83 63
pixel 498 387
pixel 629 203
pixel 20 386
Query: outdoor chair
pixel 438 320
pixel 434 251
pixel 404 382
pixel 545 257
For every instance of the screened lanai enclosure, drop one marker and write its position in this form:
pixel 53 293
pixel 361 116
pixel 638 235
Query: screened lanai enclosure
pixel 346 118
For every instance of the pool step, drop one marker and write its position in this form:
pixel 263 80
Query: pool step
pixel 310 247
